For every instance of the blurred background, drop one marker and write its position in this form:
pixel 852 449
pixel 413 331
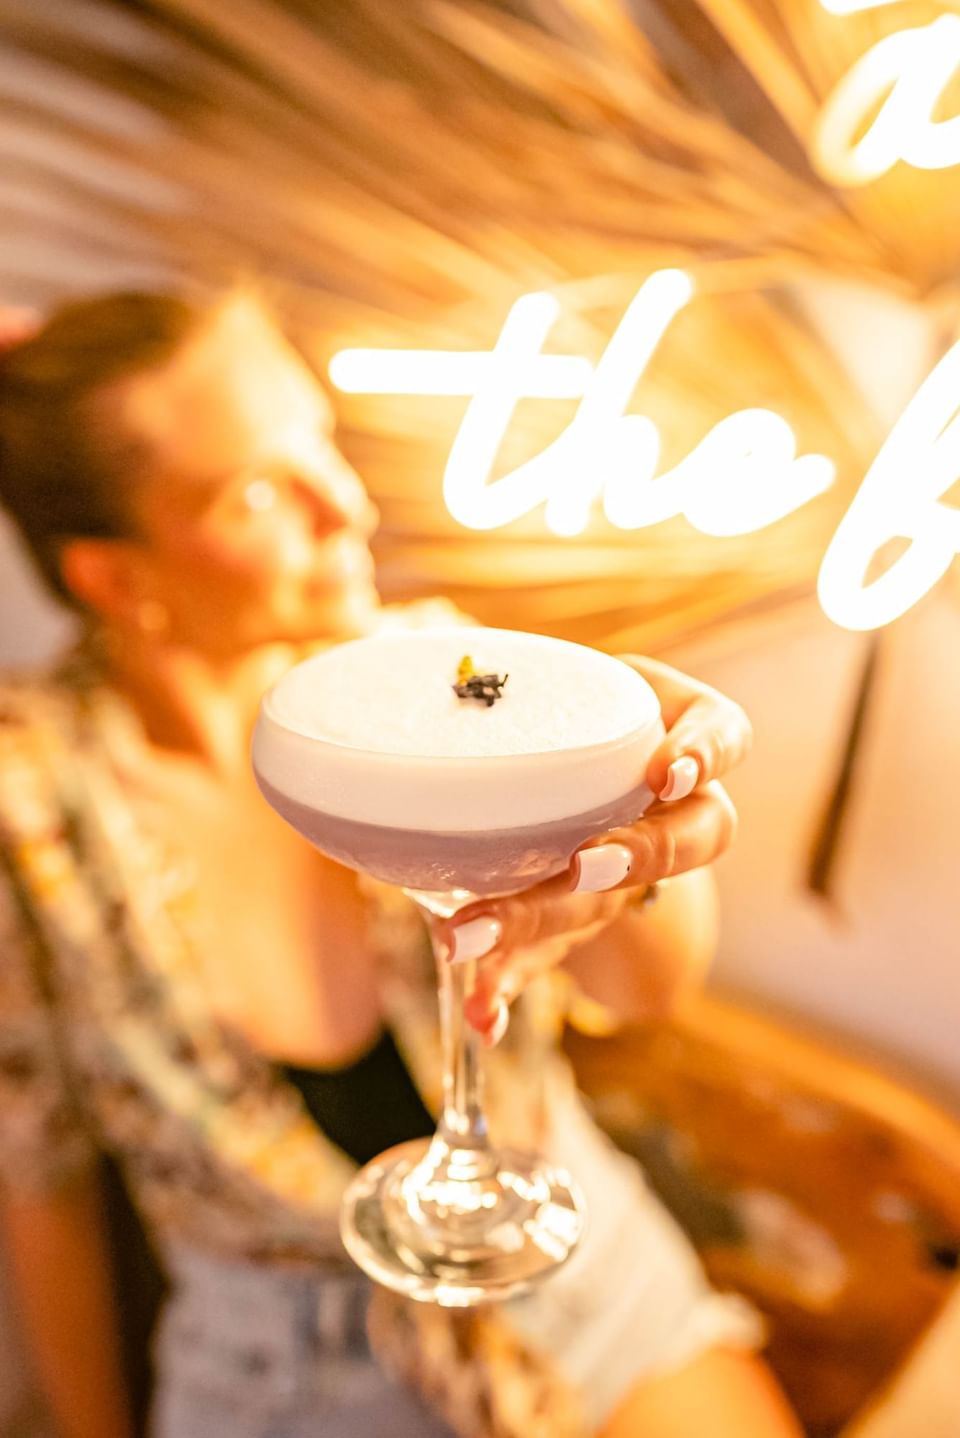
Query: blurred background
pixel 397 177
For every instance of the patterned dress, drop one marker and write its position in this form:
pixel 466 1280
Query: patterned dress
pixel 107 1040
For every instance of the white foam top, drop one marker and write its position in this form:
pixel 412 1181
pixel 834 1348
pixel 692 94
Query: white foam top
pixel 372 730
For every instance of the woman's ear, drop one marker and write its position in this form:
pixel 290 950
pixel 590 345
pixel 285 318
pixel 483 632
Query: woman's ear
pixel 107 576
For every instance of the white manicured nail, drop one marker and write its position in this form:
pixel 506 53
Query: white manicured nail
pixel 682 778
pixel 602 868
pixel 499 1026
pixel 475 938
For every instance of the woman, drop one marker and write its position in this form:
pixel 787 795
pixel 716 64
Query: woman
pixel 186 983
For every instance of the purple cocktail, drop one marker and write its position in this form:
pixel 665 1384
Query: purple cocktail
pixel 379 754
pixel 492 861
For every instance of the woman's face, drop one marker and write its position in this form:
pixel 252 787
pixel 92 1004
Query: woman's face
pixel 251 526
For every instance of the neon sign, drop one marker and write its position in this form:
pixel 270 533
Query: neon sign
pixel 743 475
pixel 901 498
pixel 906 74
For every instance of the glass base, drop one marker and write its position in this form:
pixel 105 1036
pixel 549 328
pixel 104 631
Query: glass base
pixel 459 1227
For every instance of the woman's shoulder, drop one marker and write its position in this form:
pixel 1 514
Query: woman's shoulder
pixel 39 741
pixel 30 706
pixel 27 694
pixel 22 692
pixel 39 711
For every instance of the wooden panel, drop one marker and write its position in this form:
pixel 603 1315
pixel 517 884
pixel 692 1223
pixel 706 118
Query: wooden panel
pixel 825 1191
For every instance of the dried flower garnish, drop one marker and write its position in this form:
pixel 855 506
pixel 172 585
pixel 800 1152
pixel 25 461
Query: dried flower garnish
pixel 471 685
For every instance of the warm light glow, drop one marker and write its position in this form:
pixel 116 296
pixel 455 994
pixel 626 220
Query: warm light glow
pixel 732 483
pixel 571 472
pixel 468 497
pixel 905 74
pixel 851 7
pixel 743 475
pixel 450 372
pixel 901 498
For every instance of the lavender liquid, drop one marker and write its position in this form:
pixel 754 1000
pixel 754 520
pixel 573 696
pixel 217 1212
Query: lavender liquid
pixel 485 861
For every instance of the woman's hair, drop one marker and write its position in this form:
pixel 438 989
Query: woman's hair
pixel 64 474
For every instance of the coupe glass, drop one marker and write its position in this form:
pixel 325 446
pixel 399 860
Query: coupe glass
pixel 372 754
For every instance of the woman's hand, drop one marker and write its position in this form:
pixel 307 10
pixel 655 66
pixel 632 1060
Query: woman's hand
pixel 705 730
pixel 689 825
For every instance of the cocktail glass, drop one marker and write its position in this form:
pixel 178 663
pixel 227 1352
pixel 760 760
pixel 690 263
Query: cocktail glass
pixel 369 751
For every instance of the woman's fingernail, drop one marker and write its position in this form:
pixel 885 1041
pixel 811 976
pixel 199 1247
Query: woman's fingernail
pixel 498 1028
pixel 682 778
pixel 602 867
pixel 475 938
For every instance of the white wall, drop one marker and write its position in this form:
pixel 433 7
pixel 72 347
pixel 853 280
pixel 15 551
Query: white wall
pixel 880 963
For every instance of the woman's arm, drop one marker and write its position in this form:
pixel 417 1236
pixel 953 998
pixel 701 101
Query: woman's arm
pixel 722 1393
pixel 60 1268
pixel 645 962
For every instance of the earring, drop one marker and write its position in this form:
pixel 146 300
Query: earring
pixel 152 617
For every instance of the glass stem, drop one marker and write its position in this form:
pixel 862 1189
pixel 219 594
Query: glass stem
pixel 462 1123
pixel 461 1147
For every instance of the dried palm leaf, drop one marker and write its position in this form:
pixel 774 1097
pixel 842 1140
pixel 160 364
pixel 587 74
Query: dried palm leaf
pixel 401 175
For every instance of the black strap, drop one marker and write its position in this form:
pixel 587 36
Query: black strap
pixel 367 1106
